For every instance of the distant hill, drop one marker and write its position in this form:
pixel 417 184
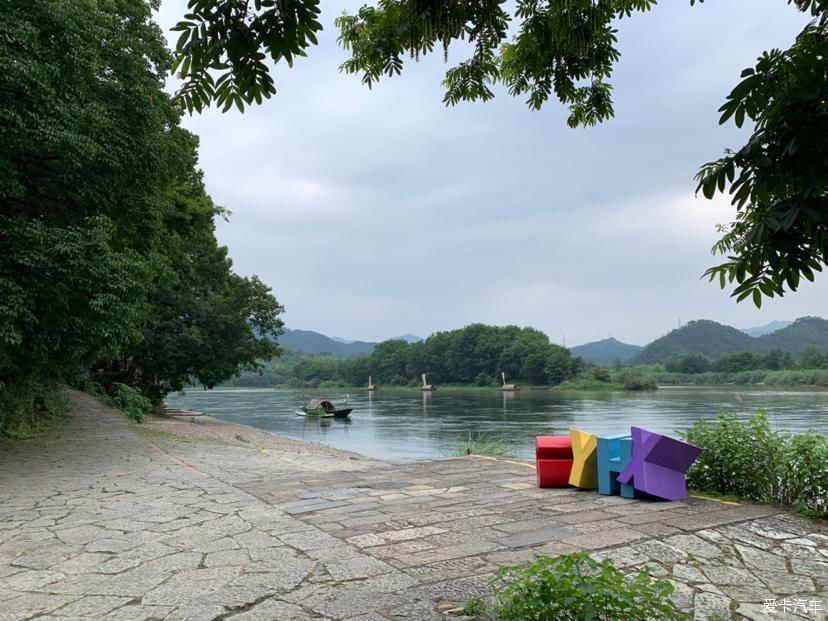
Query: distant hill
pixel 773 326
pixel 410 338
pixel 605 352
pixel 803 333
pixel 309 342
pixel 714 339
pixel 339 339
pixel 702 337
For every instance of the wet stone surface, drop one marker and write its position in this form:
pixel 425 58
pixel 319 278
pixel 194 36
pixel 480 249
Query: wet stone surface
pixel 102 521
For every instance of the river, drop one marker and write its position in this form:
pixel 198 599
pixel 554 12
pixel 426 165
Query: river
pixel 406 425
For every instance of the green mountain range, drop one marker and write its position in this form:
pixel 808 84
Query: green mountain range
pixel 714 339
pixel 703 336
pixel 310 342
pixel 606 351
pixel 772 326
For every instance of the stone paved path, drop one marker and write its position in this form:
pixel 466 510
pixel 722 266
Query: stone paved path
pixel 103 522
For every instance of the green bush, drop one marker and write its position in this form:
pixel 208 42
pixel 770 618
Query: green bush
pixel 739 458
pixel 750 460
pixel 483 379
pixel 131 402
pixel 601 374
pixel 803 474
pixel 575 587
pixel 638 381
pixel 28 409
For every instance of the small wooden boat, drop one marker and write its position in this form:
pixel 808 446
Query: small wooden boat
pixel 507 387
pixel 426 387
pixel 325 409
pixel 181 412
pixel 314 414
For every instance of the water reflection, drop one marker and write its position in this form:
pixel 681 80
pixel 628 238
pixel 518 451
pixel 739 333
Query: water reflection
pixel 401 426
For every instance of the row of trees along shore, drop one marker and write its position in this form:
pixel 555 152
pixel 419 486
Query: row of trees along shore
pixel 108 258
pixel 776 360
pixel 472 356
pixel 777 368
pixel 477 354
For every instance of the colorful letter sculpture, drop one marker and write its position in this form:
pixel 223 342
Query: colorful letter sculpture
pixel 614 453
pixel 584 467
pixel 658 465
pixel 554 460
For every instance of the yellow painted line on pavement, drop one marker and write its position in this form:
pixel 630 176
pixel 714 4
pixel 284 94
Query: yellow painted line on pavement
pixel 505 461
pixel 719 500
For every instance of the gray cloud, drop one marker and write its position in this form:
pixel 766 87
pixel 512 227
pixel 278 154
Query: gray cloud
pixel 374 213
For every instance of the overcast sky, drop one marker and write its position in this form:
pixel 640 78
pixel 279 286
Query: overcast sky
pixel 373 213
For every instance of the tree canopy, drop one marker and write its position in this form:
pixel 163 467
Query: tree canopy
pixel 566 51
pixel 107 246
pixel 476 354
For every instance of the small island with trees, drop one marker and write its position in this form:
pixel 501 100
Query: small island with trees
pixel 699 353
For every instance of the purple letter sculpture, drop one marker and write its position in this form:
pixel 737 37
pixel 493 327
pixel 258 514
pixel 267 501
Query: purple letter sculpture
pixel 658 465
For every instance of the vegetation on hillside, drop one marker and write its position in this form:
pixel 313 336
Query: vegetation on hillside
pixel 309 342
pixel 605 352
pixel 705 337
pixel 714 340
pixel 108 257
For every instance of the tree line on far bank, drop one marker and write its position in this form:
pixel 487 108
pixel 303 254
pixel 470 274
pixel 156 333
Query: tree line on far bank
pixel 475 355
pixel 108 257
pixel 459 358
pixel 776 360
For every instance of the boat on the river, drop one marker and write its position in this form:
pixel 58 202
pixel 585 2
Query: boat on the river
pixel 507 387
pixel 426 387
pixel 324 409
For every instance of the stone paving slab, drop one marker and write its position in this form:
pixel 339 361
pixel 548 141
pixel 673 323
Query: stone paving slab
pixel 101 521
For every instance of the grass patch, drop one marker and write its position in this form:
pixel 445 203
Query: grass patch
pixel 32 410
pixel 477 443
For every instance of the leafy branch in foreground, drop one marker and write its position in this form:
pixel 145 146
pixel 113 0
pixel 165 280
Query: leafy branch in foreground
pixel 566 50
pixel 778 181
pixel 223 46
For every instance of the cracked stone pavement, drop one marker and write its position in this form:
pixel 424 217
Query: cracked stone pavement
pixel 100 521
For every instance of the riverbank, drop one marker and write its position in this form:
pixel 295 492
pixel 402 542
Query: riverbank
pixel 816 379
pixel 210 521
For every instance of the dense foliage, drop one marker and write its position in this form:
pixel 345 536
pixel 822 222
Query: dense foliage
pixel 749 460
pixel 792 378
pixel 474 355
pixel 576 587
pixel 566 51
pixel 106 235
pixel 746 361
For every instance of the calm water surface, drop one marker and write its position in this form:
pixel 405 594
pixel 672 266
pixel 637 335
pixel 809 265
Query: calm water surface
pixel 404 426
